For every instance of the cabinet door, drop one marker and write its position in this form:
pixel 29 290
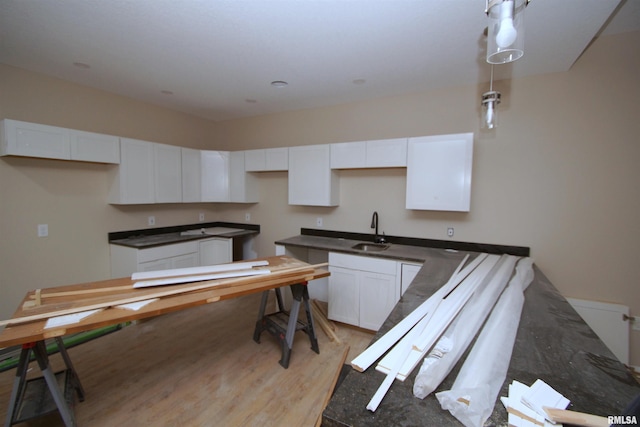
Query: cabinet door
pixel 186 260
pixel 243 186
pixel 159 264
pixel 255 160
pixel 348 155
pixel 215 176
pixel 94 147
pixel 191 184
pixel 386 153
pixel 276 159
pixel 34 140
pixel 311 180
pixel 378 295
pixel 216 251
pixel 167 173
pixel 344 298
pixel 135 181
pixel 439 172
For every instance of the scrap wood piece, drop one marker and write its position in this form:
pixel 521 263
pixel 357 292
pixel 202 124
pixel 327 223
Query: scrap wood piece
pixel 575 418
pixel 220 284
pixel 326 326
pixel 333 385
pixel 320 309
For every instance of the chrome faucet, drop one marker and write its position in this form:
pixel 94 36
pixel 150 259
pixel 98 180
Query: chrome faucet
pixel 374 224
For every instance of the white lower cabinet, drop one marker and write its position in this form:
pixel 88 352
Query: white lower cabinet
pixel 126 260
pixel 217 250
pixel 362 290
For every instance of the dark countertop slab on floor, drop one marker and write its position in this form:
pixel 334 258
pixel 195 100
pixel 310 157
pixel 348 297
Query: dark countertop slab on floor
pixel 553 343
pixel 153 237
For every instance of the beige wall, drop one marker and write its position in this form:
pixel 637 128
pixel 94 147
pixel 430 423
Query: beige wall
pixel 559 175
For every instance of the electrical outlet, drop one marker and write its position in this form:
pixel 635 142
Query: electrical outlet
pixel 43 230
pixel 319 221
pixel 201 216
pixel 151 220
pixel 450 231
pixel 247 217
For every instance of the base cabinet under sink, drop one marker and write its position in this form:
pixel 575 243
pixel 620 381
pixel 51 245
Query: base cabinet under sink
pixel 362 290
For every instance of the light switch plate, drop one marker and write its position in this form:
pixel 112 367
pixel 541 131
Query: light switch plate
pixel 43 230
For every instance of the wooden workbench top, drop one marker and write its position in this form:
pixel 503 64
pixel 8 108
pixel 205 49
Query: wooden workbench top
pixel 16 334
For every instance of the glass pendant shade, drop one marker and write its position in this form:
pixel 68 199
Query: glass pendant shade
pixel 505 31
pixel 490 101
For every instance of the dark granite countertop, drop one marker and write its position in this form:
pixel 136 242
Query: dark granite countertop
pixel 152 237
pixel 400 248
pixel 553 343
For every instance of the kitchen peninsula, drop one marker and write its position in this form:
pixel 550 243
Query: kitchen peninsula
pixel 553 343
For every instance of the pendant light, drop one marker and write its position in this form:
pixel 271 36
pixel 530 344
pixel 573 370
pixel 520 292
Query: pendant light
pixel 490 101
pixel 505 41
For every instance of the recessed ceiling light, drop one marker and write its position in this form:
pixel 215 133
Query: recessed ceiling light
pixel 166 92
pixel 81 65
pixel 279 83
pixel 359 81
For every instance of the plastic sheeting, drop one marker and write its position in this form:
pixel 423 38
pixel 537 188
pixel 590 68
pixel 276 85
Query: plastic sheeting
pixel 475 390
pixel 458 336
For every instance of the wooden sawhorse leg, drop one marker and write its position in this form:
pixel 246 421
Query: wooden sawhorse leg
pixel 283 325
pixel 20 383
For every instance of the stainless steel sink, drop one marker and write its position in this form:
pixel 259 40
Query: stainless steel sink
pixel 371 247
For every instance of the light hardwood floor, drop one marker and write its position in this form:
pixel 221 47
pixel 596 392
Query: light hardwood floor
pixel 201 367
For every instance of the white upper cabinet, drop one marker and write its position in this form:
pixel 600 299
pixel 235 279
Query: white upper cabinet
pixel 167 173
pixel 439 172
pixel 349 155
pixel 243 186
pixel 133 182
pixel 191 176
pixel 52 142
pixel 387 153
pixel 265 160
pixel 383 153
pixel 215 176
pixel 311 180
pixel 94 147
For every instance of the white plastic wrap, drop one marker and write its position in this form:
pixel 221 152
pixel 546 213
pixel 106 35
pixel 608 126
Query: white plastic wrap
pixel 456 338
pixel 475 390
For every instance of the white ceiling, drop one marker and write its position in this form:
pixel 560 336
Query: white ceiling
pixel 218 57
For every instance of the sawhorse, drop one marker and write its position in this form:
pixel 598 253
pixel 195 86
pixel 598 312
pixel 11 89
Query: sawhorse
pixel 283 325
pixel 30 399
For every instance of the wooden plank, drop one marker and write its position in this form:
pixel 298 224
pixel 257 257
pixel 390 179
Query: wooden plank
pixel 159 294
pixel 333 385
pixel 325 324
pixel 576 418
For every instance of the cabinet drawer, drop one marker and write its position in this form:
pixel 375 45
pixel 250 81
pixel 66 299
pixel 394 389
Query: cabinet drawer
pixel 363 263
pixel 167 251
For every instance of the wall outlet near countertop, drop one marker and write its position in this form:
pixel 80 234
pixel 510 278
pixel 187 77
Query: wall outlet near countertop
pixel 319 221
pixel 201 216
pixel 247 217
pixel 450 231
pixel 151 220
